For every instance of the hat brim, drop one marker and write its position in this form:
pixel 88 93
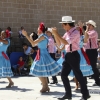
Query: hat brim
pixel 91 24
pixel 68 21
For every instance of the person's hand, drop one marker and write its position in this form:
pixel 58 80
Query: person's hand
pixel 24 32
pixel 54 31
pixel 42 38
pixel 31 34
pixel 87 28
pixel 32 51
pixel 98 49
pixel 80 24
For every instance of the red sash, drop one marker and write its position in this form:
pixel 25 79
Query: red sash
pixel 38 55
pixel 85 56
pixel 5 56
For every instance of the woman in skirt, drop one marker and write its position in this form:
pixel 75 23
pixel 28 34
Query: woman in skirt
pixel 5 66
pixel 43 66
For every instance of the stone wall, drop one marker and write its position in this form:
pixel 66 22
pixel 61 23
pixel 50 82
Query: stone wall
pixel 29 13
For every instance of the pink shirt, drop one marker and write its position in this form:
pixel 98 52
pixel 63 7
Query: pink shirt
pixel 51 45
pixel 72 37
pixel 93 36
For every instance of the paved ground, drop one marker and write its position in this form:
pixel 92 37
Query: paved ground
pixel 27 88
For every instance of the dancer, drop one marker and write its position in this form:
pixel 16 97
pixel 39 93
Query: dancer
pixel 91 46
pixel 84 65
pixel 84 61
pixel 72 58
pixel 5 66
pixel 43 66
pixel 51 46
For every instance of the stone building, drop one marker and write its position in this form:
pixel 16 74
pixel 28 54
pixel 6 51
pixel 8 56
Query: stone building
pixel 29 13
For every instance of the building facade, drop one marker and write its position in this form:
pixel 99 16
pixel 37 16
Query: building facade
pixel 29 13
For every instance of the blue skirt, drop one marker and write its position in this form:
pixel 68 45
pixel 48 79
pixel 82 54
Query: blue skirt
pixel 84 67
pixel 46 66
pixel 60 61
pixel 5 67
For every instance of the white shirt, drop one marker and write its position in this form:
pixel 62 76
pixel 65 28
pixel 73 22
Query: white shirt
pixel 28 51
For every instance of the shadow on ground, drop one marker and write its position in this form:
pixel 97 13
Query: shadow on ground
pixel 2 82
pixel 17 89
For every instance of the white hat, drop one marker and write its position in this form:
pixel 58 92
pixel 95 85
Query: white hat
pixel 49 29
pixel 91 22
pixel 67 19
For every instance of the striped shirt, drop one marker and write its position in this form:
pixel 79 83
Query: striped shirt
pixel 72 37
pixel 92 40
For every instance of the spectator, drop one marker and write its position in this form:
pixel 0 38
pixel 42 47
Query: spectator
pixel 33 37
pixel 8 32
pixel 27 49
pixel 28 52
pixel 21 37
pixel 20 64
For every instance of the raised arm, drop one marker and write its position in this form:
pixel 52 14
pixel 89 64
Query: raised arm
pixel 57 41
pixel 58 38
pixel 33 43
pixel 31 36
pixel 4 41
pixel 86 36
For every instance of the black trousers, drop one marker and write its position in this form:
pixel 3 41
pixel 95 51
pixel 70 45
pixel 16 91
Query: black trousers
pixel 92 54
pixel 72 61
pixel 54 78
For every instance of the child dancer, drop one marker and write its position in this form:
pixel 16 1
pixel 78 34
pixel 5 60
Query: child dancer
pixel 43 66
pixel 5 67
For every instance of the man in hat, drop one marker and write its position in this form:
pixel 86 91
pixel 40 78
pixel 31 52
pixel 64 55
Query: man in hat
pixel 91 46
pixel 72 58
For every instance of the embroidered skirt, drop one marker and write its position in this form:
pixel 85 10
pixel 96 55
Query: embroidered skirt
pixel 85 68
pixel 5 67
pixel 45 66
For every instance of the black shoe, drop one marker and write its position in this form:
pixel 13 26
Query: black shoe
pixel 54 82
pixel 85 98
pixel 96 84
pixel 65 97
pixel 72 80
pixel 91 78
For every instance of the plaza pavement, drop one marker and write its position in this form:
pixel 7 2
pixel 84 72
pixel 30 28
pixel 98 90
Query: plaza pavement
pixel 28 87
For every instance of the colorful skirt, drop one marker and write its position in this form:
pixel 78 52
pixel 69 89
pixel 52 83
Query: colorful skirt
pixel 45 66
pixel 84 67
pixel 5 67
